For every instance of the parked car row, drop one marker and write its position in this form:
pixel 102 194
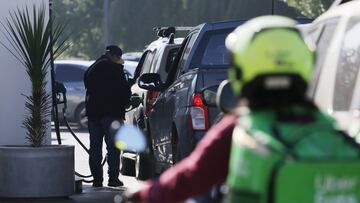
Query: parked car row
pixel 178 118
pixel 173 114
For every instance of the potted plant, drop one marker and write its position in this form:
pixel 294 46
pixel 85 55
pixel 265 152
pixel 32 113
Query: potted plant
pixel 37 170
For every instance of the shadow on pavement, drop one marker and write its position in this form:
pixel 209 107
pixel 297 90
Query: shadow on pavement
pixel 74 127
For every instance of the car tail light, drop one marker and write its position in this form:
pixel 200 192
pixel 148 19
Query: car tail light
pixel 199 113
pixel 151 95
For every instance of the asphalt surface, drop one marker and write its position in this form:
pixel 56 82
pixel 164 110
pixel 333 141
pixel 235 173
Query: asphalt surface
pixel 89 194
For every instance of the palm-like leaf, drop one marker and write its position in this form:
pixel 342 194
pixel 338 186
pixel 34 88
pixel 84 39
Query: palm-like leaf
pixel 31 40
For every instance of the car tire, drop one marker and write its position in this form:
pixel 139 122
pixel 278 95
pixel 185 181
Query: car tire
pixel 144 165
pixel 175 146
pixel 144 168
pixel 80 117
pixel 128 164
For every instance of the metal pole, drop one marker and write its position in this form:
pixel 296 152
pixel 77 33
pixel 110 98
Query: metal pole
pixel 52 73
pixel 106 23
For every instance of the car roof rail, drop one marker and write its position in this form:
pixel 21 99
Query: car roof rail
pixel 167 31
pixel 171 38
pixel 184 28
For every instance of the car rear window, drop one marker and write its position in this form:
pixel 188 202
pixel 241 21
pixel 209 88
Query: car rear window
pixel 69 73
pixel 148 61
pixel 212 51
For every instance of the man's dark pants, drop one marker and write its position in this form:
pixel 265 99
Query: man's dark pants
pixel 98 128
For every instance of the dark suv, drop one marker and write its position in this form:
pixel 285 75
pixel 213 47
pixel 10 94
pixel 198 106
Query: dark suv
pixel 179 117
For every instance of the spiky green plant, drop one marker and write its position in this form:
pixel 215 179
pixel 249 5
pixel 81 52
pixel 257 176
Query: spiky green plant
pixel 31 38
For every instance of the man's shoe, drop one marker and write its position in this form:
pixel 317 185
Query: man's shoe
pixel 115 183
pixel 97 184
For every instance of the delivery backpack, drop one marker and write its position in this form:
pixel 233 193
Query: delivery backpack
pixel 291 159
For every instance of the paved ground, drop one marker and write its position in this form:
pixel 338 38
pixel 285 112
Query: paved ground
pixel 81 157
pixel 90 194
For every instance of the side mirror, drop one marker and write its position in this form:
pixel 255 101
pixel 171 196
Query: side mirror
pixel 150 81
pixel 225 98
pixel 130 138
pixel 208 95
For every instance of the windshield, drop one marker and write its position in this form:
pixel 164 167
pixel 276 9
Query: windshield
pixel 212 52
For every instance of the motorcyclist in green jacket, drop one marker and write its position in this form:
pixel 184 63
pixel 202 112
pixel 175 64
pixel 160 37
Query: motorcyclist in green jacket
pixel 283 149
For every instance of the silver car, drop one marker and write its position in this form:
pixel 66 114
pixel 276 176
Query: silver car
pixel 336 84
pixel 132 56
pixel 71 74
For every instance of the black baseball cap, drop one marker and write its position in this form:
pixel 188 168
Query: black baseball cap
pixel 114 50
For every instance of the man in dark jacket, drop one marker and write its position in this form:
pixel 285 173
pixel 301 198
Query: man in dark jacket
pixel 107 95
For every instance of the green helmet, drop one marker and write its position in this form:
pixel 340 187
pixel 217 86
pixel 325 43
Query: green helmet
pixel 268 45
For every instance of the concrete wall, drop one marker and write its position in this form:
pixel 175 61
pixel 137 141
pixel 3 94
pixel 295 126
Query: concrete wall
pixel 13 83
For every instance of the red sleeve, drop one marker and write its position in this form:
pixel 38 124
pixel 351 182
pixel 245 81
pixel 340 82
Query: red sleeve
pixel 206 166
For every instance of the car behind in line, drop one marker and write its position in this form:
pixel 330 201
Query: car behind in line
pixel 336 85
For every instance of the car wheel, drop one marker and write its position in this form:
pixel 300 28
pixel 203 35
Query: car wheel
pixel 128 164
pixel 81 118
pixel 144 168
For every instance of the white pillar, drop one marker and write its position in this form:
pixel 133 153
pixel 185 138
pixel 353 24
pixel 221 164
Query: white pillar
pixel 13 83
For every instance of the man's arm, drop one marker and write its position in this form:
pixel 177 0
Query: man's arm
pixel 120 84
pixel 85 78
pixel 126 89
pixel 206 166
pixel 87 72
